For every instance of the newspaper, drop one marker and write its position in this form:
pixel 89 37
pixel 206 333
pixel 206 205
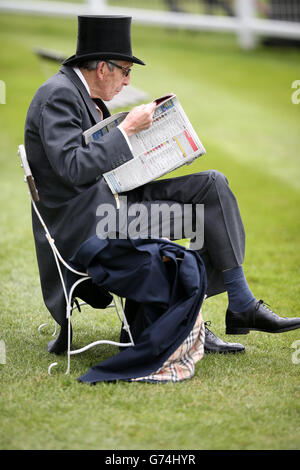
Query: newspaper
pixel 169 143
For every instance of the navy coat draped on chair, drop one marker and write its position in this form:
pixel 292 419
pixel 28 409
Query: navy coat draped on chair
pixel 164 285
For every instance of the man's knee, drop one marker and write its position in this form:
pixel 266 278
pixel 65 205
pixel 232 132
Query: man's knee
pixel 218 177
pixel 219 187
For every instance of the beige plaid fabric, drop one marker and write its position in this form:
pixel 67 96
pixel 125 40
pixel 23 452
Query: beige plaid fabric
pixel 181 364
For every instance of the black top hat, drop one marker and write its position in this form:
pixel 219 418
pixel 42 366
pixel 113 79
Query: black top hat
pixel 103 37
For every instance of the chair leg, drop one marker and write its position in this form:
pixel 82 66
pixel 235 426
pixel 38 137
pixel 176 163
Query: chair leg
pixel 45 324
pixel 119 308
pixel 69 310
pixel 51 366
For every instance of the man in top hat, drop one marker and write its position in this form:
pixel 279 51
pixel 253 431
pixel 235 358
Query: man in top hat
pixel 68 175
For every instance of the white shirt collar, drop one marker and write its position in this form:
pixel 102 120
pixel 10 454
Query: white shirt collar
pixel 80 75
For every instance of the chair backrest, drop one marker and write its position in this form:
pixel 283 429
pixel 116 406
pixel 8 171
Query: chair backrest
pixel 28 175
pixel 35 198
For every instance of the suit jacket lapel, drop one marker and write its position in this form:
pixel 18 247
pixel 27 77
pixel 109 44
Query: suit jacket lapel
pixel 95 117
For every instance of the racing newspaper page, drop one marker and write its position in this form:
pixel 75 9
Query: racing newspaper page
pixel 169 143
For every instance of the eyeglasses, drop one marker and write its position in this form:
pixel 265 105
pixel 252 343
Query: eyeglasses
pixel 125 71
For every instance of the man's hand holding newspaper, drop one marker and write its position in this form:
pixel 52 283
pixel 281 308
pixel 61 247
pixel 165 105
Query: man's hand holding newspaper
pixel 161 139
pixel 138 119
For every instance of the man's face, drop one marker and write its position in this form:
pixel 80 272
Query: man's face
pixel 112 82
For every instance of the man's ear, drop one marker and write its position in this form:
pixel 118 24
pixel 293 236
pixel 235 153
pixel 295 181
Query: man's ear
pixel 100 69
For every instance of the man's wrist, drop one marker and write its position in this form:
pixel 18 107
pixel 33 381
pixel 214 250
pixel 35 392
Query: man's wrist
pixel 129 132
pixel 126 137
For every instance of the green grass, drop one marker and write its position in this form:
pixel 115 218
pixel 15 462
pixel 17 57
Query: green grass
pixel 240 105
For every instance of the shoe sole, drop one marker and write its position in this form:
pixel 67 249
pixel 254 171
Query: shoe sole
pixel 245 331
pixel 228 351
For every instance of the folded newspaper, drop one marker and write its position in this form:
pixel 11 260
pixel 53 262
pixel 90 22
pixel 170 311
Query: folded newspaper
pixel 169 143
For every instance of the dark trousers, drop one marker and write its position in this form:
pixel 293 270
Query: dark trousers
pixel 224 236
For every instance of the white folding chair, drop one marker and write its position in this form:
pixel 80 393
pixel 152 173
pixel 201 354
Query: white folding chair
pixel 117 301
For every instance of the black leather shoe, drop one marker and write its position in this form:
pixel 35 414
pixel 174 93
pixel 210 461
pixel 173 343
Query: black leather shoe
pixel 213 344
pixel 260 318
pixel 60 344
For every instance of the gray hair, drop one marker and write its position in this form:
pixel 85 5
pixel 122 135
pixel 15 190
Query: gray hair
pixel 92 65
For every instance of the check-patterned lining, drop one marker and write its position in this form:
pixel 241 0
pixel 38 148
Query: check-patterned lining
pixel 181 364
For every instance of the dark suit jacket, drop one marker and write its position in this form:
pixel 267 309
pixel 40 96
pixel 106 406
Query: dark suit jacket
pixel 68 174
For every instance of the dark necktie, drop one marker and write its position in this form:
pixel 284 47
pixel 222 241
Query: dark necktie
pixel 96 101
